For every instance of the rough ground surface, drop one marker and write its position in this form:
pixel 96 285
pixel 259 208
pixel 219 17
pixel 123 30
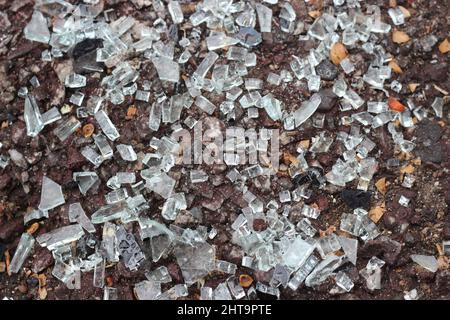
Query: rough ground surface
pixel 420 228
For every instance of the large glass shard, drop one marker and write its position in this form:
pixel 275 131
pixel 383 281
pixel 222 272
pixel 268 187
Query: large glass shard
pixel 167 69
pixel 297 253
pixel 51 116
pixel 77 214
pixel 161 184
pixel 428 262
pixel 108 128
pixel 129 249
pixel 301 274
pixel 307 109
pixel 66 128
pixel 205 65
pixel 272 106
pixel 324 269
pixel 350 247
pixel 175 11
pixel 51 195
pixel 61 236
pixel 32 116
pixel 110 212
pixel 161 274
pixel 34 215
pixel 147 290
pixel 109 244
pixel 23 250
pixel 99 274
pixel 37 29
pixel 264 17
pixel 127 152
pixel 195 261
pixel 205 105
pixel 85 180
pixel 222 292
pixel 103 145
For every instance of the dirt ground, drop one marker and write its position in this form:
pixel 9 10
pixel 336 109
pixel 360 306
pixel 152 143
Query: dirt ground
pixel 419 228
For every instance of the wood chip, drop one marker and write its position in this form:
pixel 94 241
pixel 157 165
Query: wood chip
pixel 444 47
pixel 405 12
pixel 2 266
pixel 33 228
pixel 245 280
pixel 407 169
pixel 289 158
pixel 8 261
pixel 400 36
pixel 338 53
pixel 88 130
pixel 381 186
pixel 314 14
pixel 131 112
pixel 396 105
pixel 304 144
pixel 376 213
pixel 329 230
pixel 395 67
pixel 42 293
pixel 413 86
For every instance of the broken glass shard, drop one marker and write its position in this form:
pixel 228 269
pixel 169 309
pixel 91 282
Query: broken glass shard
pixel 110 212
pixel 77 214
pixel 32 116
pixel 147 290
pixel 66 128
pixel 75 81
pixel 85 180
pixel 37 29
pixel 428 262
pixel 51 195
pixel 167 69
pixel 297 253
pixel 108 128
pixel 307 109
pixel 61 236
pixel 23 250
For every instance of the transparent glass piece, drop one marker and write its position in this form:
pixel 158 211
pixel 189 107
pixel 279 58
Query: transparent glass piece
pixel 61 236
pixel 77 214
pixel 108 128
pixel 32 116
pixel 22 252
pixel 51 195
pixel 37 29
pixel 66 128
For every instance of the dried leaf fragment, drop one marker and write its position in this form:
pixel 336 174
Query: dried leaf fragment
pixel 131 112
pixel 405 12
pixel 314 14
pixel 381 186
pixel 376 213
pixel 88 130
pixel 396 105
pixel 395 67
pixel 400 36
pixel 444 47
pixel 42 293
pixel 407 169
pixel 413 86
pixel 33 228
pixel 245 280
pixel 8 261
pixel 338 53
